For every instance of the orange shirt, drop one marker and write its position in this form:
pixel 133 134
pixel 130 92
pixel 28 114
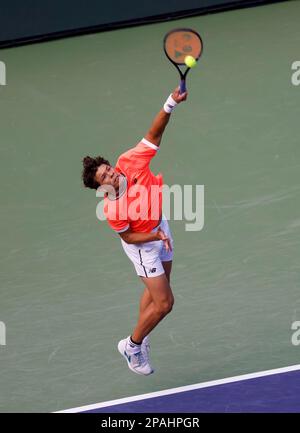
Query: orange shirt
pixel 140 207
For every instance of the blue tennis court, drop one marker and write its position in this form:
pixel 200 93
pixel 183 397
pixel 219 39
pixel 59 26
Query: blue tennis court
pixel 270 391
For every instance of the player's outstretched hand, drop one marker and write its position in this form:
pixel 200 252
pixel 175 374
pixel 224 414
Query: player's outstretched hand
pixel 179 97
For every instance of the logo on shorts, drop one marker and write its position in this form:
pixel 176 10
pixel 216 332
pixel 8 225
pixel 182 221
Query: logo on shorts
pixel 152 270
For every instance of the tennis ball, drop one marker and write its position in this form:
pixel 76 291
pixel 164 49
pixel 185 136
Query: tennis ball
pixel 190 61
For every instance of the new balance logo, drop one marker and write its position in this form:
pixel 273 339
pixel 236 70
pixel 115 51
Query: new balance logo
pixel 152 270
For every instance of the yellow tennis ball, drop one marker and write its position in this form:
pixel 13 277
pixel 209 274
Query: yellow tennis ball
pixel 190 61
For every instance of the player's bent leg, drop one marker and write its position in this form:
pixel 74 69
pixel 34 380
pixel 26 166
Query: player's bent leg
pixel 162 303
pixel 146 298
pixel 156 302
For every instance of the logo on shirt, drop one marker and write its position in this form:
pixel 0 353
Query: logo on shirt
pixel 152 271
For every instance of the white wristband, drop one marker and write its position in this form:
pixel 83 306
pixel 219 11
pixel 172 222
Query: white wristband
pixel 170 104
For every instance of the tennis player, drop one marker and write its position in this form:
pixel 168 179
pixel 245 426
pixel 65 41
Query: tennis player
pixel 143 229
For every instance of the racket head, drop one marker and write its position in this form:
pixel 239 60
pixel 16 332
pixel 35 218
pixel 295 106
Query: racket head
pixel 182 42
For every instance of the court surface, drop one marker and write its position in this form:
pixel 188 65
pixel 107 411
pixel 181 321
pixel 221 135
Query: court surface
pixel 68 292
pixel 268 391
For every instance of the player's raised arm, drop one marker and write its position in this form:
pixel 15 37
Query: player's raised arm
pixel 160 121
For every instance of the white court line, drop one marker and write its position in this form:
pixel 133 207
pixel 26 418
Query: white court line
pixel 182 389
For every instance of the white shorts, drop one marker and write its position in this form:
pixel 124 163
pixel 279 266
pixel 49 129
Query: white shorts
pixel 147 257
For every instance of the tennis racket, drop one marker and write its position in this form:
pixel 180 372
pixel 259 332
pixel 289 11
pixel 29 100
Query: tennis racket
pixel 178 44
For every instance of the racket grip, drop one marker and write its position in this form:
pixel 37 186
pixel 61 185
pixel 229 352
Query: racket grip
pixel 182 86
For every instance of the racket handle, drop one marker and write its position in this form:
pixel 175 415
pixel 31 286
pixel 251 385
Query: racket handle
pixel 182 86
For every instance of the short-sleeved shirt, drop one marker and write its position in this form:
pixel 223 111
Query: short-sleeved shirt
pixel 140 207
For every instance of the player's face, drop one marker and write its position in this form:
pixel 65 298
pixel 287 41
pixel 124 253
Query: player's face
pixel 107 175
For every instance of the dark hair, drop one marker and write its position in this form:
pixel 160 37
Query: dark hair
pixel 90 166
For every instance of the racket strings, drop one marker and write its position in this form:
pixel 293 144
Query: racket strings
pixel 181 43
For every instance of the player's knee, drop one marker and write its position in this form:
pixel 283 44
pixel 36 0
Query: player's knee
pixel 170 303
pixel 165 307
pixel 172 300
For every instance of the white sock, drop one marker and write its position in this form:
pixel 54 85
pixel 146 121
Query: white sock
pixel 132 347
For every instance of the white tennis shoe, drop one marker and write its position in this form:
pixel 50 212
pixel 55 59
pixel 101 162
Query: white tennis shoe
pixel 137 360
pixel 146 346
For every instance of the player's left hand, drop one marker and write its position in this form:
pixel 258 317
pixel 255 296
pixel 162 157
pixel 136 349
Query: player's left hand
pixel 179 97
pixel 163 237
